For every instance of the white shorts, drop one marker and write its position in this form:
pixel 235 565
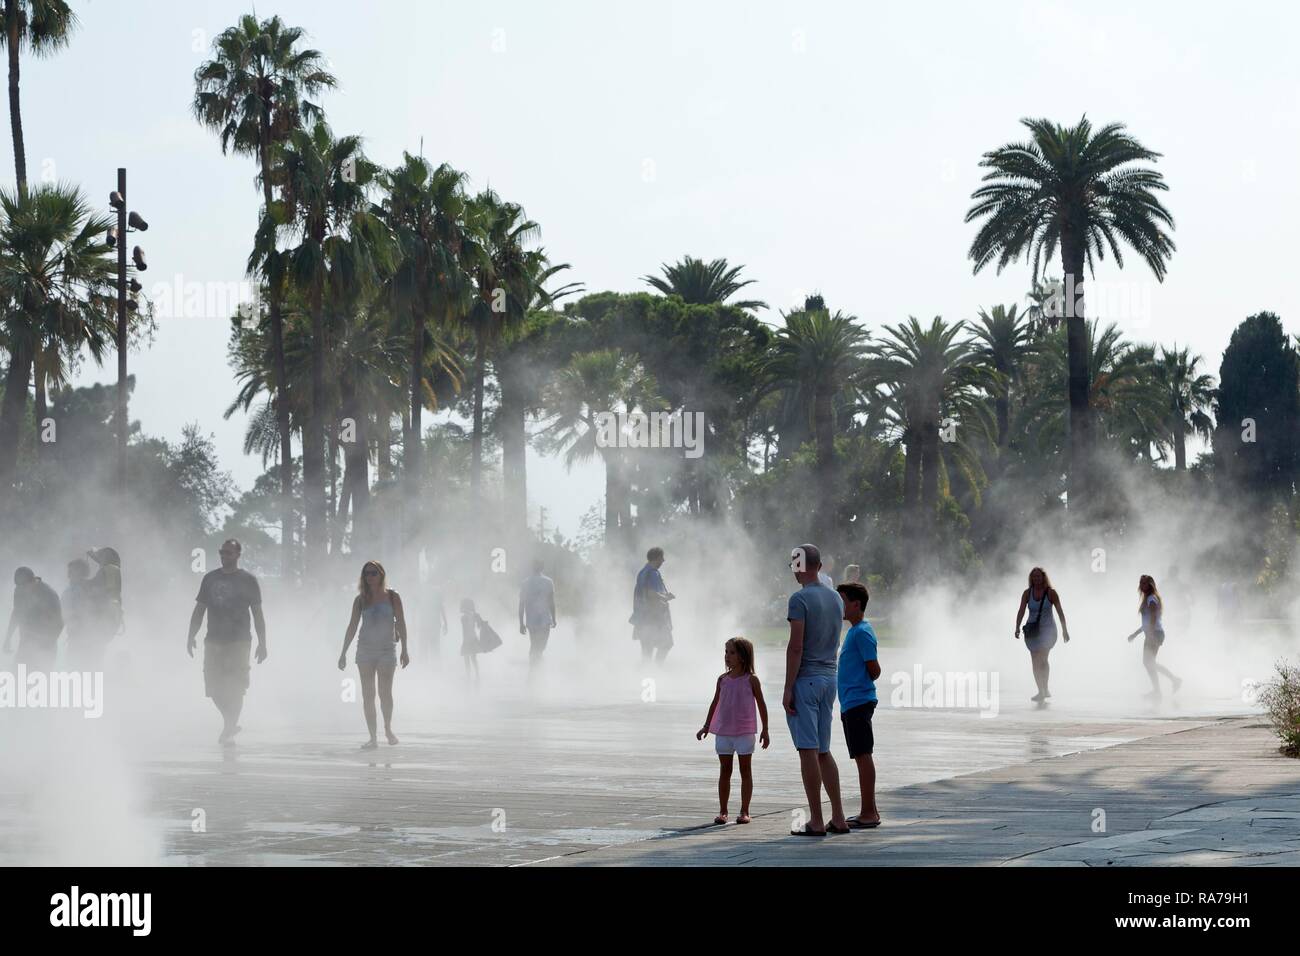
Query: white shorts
pixel 742 744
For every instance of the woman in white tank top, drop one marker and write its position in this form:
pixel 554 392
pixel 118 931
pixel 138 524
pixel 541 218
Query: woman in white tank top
pixel 1040 630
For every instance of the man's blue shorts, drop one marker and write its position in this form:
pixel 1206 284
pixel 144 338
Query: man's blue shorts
pixel 810 725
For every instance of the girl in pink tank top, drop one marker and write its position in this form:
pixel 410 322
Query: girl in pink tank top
pixel 732 722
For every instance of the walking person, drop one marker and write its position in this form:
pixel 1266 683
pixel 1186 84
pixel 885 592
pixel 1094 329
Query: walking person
pixel 652 622
pixel 736 695
pixel 37 616
pixel 228 596
pixel 1040 630
pixel 815 613
pixel 85 648
pixel 469 645
pixel 378 610
pixel 1151 607
pixel 537 612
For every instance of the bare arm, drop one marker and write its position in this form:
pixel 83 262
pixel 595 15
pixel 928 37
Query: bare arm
pixel 1020 613
pixel 873 670
pixel 196 621
pixel 552 597
pixel 1065 628
pixel 399 624
pixel 708 720
pixel 762 706
pixel 259 625
pixel 793 657
pixel 351 631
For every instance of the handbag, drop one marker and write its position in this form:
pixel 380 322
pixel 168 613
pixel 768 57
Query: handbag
pixel 488 638
pixel 1030 630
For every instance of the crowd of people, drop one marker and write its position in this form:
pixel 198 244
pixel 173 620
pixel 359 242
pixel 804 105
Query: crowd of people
pixel 821 669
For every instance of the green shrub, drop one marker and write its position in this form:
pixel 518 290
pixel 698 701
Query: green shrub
pixel 1281 699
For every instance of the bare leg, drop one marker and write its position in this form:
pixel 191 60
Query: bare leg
pixel 385 672
pixel 867 784
pixel 230 708
pixel 830 773
pixel 746 785
pixel 810 771
pixel 724 785
pixel 367 671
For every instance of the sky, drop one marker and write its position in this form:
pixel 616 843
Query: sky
pixel 827 147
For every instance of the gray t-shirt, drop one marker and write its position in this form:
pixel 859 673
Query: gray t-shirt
pixel 822 613
pixel 536 598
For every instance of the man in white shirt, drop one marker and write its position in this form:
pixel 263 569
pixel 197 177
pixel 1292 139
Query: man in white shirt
pixel 537 611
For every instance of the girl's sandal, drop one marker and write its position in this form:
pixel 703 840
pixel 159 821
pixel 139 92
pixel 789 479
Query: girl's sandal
pixel 743 818
pixel 719 820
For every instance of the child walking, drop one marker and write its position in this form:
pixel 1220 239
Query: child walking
pixel 731 721
pixel 469 646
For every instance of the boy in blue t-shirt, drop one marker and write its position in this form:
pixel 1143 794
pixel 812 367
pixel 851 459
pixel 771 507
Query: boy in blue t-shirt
pixel 856 677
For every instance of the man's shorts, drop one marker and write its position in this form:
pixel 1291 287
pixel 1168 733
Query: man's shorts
pixel 225 668
pixel 725 745
pixel 857 729
pixel 810 725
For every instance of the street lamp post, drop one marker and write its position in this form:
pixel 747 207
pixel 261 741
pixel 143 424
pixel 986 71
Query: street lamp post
pixel 126 222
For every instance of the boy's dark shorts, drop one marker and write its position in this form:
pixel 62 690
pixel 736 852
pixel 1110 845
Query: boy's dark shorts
pixel 857 729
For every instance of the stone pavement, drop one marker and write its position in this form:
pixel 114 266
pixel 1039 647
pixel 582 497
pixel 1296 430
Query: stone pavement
pixel 1217 793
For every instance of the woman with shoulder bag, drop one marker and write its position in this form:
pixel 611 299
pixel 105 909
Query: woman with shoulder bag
pixel 1040 630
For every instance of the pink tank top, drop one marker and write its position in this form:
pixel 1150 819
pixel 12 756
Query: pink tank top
pixel 735 714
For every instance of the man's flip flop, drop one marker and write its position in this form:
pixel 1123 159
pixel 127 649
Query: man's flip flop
pixel 832 829
pixel 856 824
pixel 719 821
pixel 808 831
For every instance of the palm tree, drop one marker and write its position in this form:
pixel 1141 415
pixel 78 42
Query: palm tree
pixel 1003 340
pixel 815 357
pixel 703 283
pixel 503 275
pixel 1079 190
pixel 254 91
pixel 1130 405
pixel 55 278
pixel 592 383
pixel 426 209
pixel 929 377
pixel 1189 395
pixel 340 243
pixel 522 363
pixel 41 26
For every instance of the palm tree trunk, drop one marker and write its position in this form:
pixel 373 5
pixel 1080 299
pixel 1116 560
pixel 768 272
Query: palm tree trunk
pixel 1002 406
pixel 356 483
pixel 611 500
pixel 42 405
pixel 514 454
pixel 911 470
pixel 824 441
pixel 929 467
pixel 15 108
pixel 313 440
pixel 1180 445
pixel 277 354
pixel 334 503
pixel 476 440
pixel 414 438
pixel 384 445
pixel 14 410
pixel 1076 329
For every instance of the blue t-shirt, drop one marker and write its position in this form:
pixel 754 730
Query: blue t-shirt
pixel 821 611
pixel 855 685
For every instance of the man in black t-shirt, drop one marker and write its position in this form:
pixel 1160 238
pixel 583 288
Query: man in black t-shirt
pixel 228 595
pixel 38 618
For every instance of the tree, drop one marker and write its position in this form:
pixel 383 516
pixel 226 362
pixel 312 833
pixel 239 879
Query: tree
pixel 43 27
pixel 425 209
pixel 593 384
pixel 340 243
pixel 55 276
pixel 1188 396
pixel 254 92
pixel 1003 340
pixel 932 379
pixel 817 356
pixel 1078 190
pixel 1257 407
pixel 703 283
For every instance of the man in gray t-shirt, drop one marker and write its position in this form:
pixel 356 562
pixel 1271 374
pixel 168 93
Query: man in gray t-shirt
pixel 815 613
pixel 537 612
